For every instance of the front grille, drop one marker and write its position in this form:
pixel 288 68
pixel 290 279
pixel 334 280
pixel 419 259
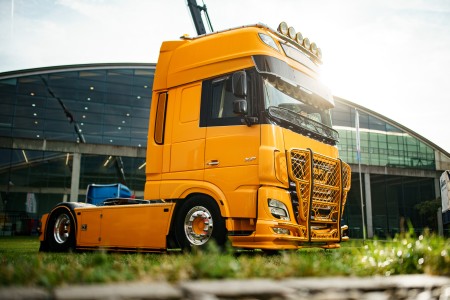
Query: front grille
pixel 322 185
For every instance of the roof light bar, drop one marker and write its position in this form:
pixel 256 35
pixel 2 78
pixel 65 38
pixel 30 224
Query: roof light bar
pixel 298 38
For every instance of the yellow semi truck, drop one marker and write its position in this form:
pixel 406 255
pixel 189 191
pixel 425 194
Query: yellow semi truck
pixel 240 148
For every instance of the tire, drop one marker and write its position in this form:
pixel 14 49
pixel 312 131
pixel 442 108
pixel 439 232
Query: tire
pixel 43 247
pixel 61 231
pixel 270 252
pixel 198 223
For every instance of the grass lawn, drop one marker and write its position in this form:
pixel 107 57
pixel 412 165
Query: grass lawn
pixel 22 264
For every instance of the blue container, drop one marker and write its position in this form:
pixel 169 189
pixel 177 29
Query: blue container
pixel 97 193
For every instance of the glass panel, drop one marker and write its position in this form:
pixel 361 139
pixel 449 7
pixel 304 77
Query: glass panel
pixel 65 92
pixel 8 86
pixel 139 123
pixel 32 86
pixel 376 124
pixel 118 99
pixel 119 88
pixel 141 101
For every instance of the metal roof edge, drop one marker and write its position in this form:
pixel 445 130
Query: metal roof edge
pixel 75 67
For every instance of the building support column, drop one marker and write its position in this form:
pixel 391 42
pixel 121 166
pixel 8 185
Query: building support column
pixel 440 222
pixel 437 190
pixel 75 182
pixel 437 186
pixel 368 205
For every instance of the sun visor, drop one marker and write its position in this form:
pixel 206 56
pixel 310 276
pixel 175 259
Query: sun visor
pixel 278 68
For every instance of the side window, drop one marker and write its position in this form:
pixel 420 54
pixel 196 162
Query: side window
pixel 160 119
pixel 217 103
pixel 222 99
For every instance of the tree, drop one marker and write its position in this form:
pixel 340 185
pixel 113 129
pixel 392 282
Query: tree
pixel 428 211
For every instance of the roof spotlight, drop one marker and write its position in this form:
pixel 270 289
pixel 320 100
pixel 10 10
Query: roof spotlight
pixel 319 53
pixel 313 48
pixel 283 28
pixel 306 43
pixel 291 32
pixel 299 38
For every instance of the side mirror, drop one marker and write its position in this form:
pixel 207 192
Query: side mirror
pixel 239 80
pixel 240 107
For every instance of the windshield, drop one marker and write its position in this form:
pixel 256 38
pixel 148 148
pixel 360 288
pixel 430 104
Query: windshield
pixel 291 104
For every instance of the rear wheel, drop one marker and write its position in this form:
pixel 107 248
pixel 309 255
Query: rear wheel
pixel 199 222
pixel 61 231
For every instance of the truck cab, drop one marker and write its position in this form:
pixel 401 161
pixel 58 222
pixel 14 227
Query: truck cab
pixel 240 120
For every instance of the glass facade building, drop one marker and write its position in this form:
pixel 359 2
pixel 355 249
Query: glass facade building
pixel 66 127
pixel 399 170
pixel 62 128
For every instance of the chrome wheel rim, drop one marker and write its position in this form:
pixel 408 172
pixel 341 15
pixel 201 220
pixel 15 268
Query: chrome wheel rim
pixel 198 225
pixel 61 230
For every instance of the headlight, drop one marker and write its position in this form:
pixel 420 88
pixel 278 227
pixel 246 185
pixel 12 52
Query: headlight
pixel 278 209
pixel 278 230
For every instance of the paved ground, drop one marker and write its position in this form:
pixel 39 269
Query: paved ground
pixel 409 287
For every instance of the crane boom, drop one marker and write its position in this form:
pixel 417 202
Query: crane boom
pixel 196 13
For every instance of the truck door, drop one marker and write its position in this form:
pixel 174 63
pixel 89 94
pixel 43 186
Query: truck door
pixel 184 144
pixel 231 148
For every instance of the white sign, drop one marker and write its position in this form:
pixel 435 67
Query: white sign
pixel 445 189
pixel 30 204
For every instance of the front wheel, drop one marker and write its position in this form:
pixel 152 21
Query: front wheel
pixel 61 231
pixel 198 222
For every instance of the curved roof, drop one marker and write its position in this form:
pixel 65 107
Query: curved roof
pixel 108 103
pixel 391 122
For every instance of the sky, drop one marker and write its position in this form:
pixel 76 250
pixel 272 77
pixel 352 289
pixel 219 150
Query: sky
pixel 391 56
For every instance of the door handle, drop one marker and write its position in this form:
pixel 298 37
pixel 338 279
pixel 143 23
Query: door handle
pixel 213 163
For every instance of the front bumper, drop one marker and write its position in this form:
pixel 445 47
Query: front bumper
pixel 272 233
pixel 321 187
